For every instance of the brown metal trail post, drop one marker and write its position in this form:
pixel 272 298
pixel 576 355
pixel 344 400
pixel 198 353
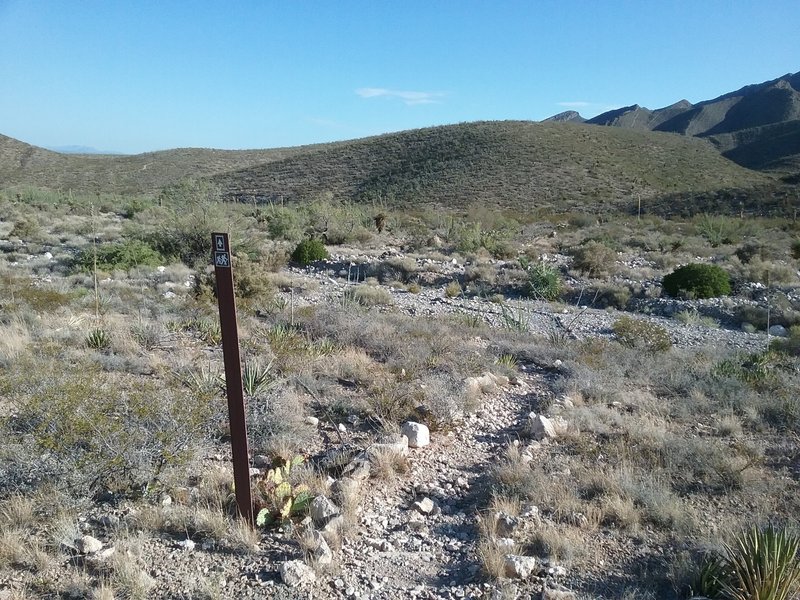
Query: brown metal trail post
pixel 233 373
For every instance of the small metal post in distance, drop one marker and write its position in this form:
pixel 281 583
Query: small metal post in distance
pixel 223 272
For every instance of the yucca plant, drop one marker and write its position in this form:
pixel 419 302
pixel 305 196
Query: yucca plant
pixel 513 319
pixel 98 339
pixel 508 361
pixel 761 564
pixel 544 282
pixel 256 378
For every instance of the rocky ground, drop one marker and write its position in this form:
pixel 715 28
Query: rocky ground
pixel 415 534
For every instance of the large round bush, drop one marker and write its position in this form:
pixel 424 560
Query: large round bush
pixel 698 281
pixel 308 251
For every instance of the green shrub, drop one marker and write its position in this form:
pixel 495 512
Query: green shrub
pixel 612 296
pixel 284 224
pixel 453 289
pixel 644 335
pixel 308 251
pixel 698 281
pixel 544 282
pixel 187 214
pixel 717 230
pixel 119 256
pixel 790 345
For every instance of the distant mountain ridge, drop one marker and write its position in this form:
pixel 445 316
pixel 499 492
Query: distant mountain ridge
pixel 75 149
pixel 757 126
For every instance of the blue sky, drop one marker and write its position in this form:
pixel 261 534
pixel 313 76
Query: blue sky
pixel 139 75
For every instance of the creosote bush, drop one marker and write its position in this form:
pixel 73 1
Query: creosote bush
pixel 103 431
pixel 309 251
pixel 697 280
pixel 594 258
pixel 119 256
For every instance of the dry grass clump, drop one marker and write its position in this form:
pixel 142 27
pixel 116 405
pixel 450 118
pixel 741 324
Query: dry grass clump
pixel 368 295
pixel 594 258
pixel 387 463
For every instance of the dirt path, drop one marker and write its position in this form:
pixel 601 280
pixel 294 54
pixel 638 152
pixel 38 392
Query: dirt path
pixel 401 553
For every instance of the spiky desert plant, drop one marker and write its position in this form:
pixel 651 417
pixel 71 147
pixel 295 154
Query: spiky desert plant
pixel 760 564
pixel 98 339
pixel 257 378
pixel 544 282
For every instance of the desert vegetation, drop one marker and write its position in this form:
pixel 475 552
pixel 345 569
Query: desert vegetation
pixel 667 348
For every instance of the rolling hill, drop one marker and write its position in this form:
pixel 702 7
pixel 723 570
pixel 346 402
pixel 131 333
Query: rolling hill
pixel 22 164
pixel 510 163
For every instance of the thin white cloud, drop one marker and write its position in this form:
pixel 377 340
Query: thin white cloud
pixel 408 97
pixel 578 104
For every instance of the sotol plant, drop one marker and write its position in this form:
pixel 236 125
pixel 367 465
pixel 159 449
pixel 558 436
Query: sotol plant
pixel 761 564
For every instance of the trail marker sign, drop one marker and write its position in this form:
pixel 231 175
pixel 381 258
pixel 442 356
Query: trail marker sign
pixel 223 272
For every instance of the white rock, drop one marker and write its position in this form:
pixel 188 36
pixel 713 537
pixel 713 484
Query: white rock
pixel 540 427
pixel 186 544
pixel 425 506
pixel 322 509
pixel 296 572
pixel 519 567
pixel 322 552
pixel 557 571
pixel 161 269
pixel 88 545
pixel 487 383
pixel 313 421
pixel 778 331
pixel 48 255
pixel 418 434
pixel 341 427
pixel 335 525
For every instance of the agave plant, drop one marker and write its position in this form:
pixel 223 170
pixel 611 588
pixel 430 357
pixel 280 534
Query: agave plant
pixel 98 339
